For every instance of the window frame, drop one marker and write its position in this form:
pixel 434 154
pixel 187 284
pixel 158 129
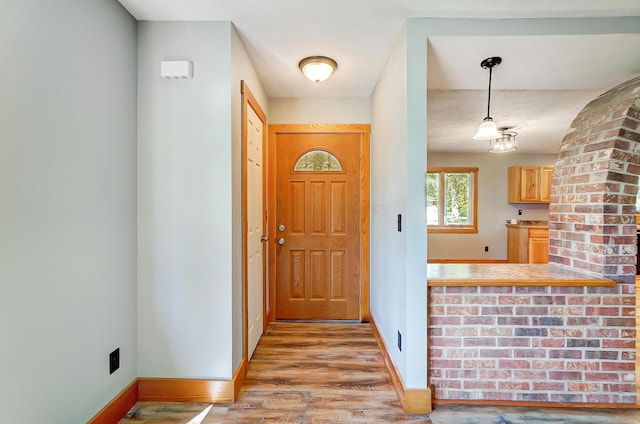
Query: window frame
pixel 449 228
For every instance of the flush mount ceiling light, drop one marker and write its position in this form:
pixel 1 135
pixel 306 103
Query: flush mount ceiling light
pixel 488 129
pixel 506 142
pixel 317 68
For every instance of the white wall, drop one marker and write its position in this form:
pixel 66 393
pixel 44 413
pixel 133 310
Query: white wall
pixel 67 207
pixel 493 209
pixel 241 69
pixel 319 111
pixel 185 210
pixel 398 296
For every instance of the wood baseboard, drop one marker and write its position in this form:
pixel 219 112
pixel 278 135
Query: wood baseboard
pixel 192 390
pixel 185 390
pixel 528 404
pixel 414 401
pixel 118 407
pixel 466 261
pixel 171 390
pixel 238 378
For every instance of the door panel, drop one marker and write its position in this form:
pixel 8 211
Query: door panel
pixel 317 267
pixel 255 230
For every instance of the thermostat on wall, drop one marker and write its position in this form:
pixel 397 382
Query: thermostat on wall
pixel 176 69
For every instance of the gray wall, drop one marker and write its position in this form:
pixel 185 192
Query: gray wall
pixel 320 110
pixel 398 299
pixel 185 202
pixel 67 207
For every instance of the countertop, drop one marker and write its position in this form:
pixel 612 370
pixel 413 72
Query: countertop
pixel 508 274
pixel 522 223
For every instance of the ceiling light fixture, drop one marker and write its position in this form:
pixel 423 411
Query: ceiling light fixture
pixel 317 68
pixel 488 129
pixel 506 142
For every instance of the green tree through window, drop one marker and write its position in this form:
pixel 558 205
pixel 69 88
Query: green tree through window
pixel 451 198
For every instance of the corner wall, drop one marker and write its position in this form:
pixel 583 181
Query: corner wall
pixel 67 207
pixel 185 209
pixel 241 69
pixel 398 280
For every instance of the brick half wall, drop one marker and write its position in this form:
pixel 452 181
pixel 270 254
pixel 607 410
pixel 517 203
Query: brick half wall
pixel 543 344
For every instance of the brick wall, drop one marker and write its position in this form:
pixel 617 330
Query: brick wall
pixel 549 344
pixel 595 181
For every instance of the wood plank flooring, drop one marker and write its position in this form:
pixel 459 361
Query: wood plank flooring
pixel 304 373
pixel 334 373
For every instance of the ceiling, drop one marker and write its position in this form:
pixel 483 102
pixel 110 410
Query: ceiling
pixel 543 81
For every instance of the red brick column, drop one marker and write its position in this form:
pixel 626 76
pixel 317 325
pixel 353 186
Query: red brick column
pixel 595 181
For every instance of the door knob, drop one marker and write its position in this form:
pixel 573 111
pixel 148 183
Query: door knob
pixel 281 241
pixel 281 228
pixel 264 238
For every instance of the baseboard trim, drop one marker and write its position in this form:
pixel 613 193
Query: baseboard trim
pixel 118 407
pixel 414 401
pixel 185 390
pixel 171 390
pixel 238 378
pixel 192 390
pixel 444 402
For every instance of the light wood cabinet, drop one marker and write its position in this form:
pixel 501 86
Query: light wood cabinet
pixel 527 245
pixel 529 184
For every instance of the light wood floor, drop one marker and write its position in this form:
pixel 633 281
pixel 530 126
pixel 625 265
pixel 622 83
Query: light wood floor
pixel 302 373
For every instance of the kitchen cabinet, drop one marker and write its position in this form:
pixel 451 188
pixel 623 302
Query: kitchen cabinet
pixel 527 244
pixel 529 184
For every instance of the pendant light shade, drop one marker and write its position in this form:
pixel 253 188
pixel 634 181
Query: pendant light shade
pixel 488 129
pixel 505 143
pixel 317 68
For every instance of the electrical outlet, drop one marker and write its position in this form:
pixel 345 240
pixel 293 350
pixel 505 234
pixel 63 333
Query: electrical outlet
pixel 114 361
pixel 399 341
pixel 486 248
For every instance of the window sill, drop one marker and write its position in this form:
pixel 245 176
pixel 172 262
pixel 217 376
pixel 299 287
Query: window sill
pixel 451 230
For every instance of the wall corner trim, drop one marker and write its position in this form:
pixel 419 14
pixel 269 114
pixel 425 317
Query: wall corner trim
pixel 414 401
pixel 118 407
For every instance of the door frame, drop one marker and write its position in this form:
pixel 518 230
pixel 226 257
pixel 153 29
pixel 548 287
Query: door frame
pixel 248 100
pixel 364 130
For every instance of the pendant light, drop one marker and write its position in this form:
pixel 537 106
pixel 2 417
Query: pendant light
pixel 317 68
pixel 488 129
pixel 506 142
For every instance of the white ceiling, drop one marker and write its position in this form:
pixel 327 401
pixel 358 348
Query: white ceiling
pixel 543 80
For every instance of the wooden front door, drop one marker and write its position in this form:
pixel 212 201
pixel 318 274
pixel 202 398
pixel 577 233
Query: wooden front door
pixel 317 226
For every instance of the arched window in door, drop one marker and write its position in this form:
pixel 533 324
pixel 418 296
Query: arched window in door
pixel 317 161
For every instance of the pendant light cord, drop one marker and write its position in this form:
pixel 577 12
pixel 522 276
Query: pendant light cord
pixel 489 97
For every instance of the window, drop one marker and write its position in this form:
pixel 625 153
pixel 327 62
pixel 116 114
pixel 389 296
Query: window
pixel 452 199
pixel 318 161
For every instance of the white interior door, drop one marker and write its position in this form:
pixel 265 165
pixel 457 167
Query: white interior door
pixel 255 214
